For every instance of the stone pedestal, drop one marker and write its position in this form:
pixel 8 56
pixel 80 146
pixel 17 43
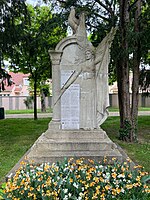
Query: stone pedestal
pixel 55 145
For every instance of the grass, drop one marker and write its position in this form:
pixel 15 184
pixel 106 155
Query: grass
pixel 27 111
pixel 18 135
pixel 49 110
pixel 138 152
pixel 112 109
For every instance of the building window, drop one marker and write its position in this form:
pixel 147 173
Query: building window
pixel 26 81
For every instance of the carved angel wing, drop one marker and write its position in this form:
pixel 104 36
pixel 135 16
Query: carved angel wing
pixel 102 55
pixel 102 58
pixel 73 21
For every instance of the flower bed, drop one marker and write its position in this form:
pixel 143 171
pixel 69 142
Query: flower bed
pixel 78 179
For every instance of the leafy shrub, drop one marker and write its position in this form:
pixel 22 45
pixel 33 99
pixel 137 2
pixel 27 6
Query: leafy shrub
pixel 78 179
pixel 29 102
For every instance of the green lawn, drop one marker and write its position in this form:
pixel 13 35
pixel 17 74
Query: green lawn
pixel 111 109
pixel 27 111
pixel 139 152
pixel 18 135
pixel 49 110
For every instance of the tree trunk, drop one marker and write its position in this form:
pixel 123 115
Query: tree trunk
pixel 35 99
pixel 135 82
pixel 123 73
pixel 43 106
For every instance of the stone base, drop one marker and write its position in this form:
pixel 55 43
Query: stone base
pixel 55 145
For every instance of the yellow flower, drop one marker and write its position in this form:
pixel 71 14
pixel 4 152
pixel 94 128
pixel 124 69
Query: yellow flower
pixel 55 193
pixel 78 176
pixel 145 186
pixel 88 177
pixel 31 188
pixel 91 161
pixel 92 184
pixel 118 190
pixel 96 179
pixel 38 188
pixel 103 194
pixel 114 192
pixel 30 194
pixel 94 196
pixel 129 175
pixel 137 166
pixel 123 169
pixel 147 190
pixel 128 160
pixel 71 180
pixel 48 193
pixel 105 159
pixel 114 175
pixel 129 186
pixel 86 186
pixel 23 163
pixel 138 178
pixel 101 179
pixel 143 173
pixel 107 187
pixel 79 162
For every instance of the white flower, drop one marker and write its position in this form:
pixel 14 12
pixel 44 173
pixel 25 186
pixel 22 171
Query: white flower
pixel 121 176
pixel 75 185
pixel 69 195
pixel 122 190
pixel 65 191
pixel 65 197
pixel 81 194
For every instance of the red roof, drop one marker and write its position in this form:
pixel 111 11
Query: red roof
pixel 17 79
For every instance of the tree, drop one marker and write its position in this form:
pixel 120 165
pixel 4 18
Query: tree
pixel 40 33
pixel 9 33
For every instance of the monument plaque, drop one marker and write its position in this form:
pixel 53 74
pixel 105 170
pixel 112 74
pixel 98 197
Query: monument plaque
pixel 70 103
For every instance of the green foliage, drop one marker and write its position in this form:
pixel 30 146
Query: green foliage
pixel 78 179
pixel 124 132
pixel 9 33
pixel 144 81
pixel 29 102
pixel 40 32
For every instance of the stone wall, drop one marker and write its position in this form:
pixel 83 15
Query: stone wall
pixel 17 103
pixel 143 101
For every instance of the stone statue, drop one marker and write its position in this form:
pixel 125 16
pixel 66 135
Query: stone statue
pixel 93 74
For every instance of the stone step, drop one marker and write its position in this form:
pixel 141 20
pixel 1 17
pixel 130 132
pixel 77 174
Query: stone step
pixel 97 134
pixel 73 145
pixel 55 156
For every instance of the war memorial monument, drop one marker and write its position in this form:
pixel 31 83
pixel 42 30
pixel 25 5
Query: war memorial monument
pixel 80 99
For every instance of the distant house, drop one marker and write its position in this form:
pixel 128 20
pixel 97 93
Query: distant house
pixel 19 87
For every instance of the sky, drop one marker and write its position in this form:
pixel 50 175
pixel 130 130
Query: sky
pixel 33 2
